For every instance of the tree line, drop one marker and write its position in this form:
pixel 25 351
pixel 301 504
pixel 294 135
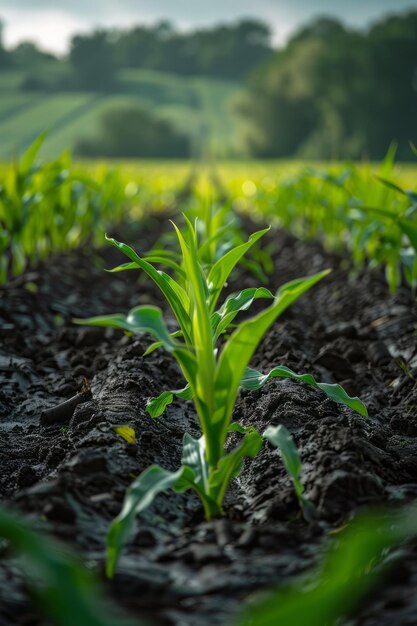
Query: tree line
pixel 227 51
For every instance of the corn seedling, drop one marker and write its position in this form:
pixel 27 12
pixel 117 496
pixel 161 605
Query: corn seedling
pixel 346 208
pixel 213 377
pixel 48 207
pixel 219 230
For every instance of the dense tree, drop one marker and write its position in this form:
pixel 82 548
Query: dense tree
pixel 229 51
pixel 4 55
pixel 28 54
pixel 130 131
pixel 393 45
pixel 334 92
pixel 92 58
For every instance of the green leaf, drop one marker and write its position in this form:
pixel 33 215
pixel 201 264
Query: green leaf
pixel 179 292
pixel 28 158
pixel 220 271
pixel 391 185
pixel 65 590
pixel 171 290
pixel 194 456
pixel 208 245
pixel 235 427
pixel 202 338
pixel 411 195
pixel 235 303
pixel 140 495
pixel 351 568
pixel 255 380
pixel 410 229
pixel 156 406
pixel 158 344
pixel 281 438
pixel 243 300
pixel 154 480
pixel 18 257
pixel 255 267
pixel 148 319
pixel 115 320
pixel 123 267
pixel 159 258
pixel 154 346
pixel 195 474
pixel 242 344
pixel 189 367
pixel 390 214
pixel 229 465
pixel 141 319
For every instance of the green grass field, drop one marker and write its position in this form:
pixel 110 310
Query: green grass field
pixel 199 107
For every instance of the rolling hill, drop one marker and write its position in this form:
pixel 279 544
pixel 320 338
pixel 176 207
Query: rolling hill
pixel 200 107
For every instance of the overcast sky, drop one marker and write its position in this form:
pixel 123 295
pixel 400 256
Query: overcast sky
pixel 51 23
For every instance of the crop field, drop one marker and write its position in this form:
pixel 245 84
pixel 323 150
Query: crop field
pixel 208 384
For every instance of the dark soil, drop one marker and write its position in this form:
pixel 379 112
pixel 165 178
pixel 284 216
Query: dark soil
pixel 68 473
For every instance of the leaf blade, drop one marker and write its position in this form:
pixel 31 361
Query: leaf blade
pixel 160 279
pixel 254 380
pixel 139 496
pixel 230 464
pixel 156 406
pixel 282 439
pixel 141 319
pixel 221 270
pixel 244 341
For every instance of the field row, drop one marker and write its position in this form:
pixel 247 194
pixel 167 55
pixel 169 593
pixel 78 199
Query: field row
pixel 367 210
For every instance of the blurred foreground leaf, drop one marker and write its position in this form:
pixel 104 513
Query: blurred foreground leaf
pixel 350 569
pixel 65 590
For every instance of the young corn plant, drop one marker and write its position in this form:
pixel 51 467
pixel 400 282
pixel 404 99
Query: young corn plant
pixel 47 207
pixel 213 377
pixel 18 201
pixel 219 230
